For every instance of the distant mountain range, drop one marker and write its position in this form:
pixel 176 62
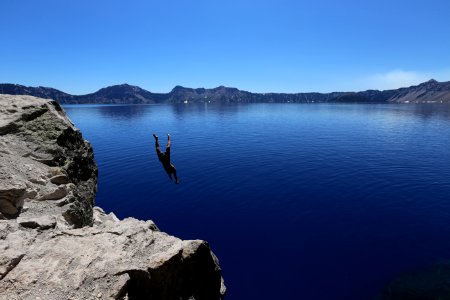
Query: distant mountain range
pixel 427 92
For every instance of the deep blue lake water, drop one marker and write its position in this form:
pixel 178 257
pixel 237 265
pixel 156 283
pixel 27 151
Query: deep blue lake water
pixel 298 201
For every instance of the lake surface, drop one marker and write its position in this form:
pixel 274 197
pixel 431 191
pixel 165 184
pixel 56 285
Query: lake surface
pixel 298 201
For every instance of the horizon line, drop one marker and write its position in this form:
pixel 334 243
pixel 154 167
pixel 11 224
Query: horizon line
pixel 220 86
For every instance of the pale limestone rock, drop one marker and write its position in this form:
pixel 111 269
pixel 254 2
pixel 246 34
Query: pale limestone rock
pixel 96 258
pixel 11 196
pixel 42 222
pixel 59 179
pixel 58 193
pixel 41 145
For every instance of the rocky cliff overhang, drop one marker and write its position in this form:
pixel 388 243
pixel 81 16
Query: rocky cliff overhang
pixel 54 244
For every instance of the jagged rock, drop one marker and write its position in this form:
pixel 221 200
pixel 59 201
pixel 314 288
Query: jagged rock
pixel 87 261
pixel 11 197
pixel 103 219
pixel 58 193
pixel 54 171
pixel 42 222
pixel 59 179
pixel 39 181
pixel 9 263
pixel 42 146
pixel 55 245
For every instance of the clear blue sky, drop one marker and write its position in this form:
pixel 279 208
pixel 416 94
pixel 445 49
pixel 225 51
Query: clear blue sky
pixel 260 46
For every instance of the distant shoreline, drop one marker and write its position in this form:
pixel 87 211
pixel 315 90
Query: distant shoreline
pixel 430 91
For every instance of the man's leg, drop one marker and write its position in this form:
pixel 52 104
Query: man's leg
pixel 168 141
pixel 158 150
pixel 167 153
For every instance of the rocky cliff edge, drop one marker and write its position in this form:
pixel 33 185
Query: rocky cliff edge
pixel 54 244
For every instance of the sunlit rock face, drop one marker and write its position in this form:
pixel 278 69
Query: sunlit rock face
pixel 55 244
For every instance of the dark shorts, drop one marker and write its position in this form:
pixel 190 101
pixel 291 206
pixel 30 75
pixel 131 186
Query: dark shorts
pixel 163 157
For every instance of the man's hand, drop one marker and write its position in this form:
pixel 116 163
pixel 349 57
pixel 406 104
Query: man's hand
pixel 155 136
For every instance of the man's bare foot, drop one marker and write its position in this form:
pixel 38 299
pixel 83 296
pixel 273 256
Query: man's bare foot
pixel 168 136
pixel 155 136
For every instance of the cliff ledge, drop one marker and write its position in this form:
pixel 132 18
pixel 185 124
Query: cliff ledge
pixel 55 244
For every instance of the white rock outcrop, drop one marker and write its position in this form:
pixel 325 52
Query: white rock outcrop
pixel 54 244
